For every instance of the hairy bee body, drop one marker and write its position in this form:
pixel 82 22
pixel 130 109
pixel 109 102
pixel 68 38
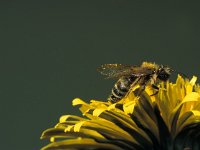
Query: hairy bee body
pixel 120 88
pixel 129 76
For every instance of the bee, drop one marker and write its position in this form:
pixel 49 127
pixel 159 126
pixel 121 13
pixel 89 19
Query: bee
pixel 129 76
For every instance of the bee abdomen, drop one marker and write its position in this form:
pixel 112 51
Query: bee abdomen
pixel 120 88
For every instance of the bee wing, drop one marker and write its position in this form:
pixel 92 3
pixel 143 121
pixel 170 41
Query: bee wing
pixel 142 71
pixel 115 70
pixel 119 70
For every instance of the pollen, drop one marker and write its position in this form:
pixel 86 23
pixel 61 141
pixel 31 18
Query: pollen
pixel 149 65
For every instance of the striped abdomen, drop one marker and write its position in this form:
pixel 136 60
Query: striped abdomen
pixel 120 88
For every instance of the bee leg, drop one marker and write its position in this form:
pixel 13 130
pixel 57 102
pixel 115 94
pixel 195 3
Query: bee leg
pixel 139 91
pixel 155 87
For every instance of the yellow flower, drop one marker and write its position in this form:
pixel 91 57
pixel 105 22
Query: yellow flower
pixel 169 120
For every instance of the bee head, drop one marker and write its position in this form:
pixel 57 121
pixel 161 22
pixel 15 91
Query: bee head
pixel 164 73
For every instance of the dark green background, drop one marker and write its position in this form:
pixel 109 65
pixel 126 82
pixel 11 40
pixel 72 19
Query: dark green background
pixel 50 52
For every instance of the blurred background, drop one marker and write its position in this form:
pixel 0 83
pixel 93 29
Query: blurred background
pixel 49 53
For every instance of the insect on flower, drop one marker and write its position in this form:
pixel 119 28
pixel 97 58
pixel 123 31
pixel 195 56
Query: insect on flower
pixel 128 76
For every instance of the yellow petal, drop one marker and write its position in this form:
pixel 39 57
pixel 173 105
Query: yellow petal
pixel 80 143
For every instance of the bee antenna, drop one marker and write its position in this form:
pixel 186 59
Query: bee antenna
pixel 182 74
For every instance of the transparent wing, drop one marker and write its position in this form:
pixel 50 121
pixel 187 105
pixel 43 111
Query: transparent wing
pixel 119 70
pixel 115 70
